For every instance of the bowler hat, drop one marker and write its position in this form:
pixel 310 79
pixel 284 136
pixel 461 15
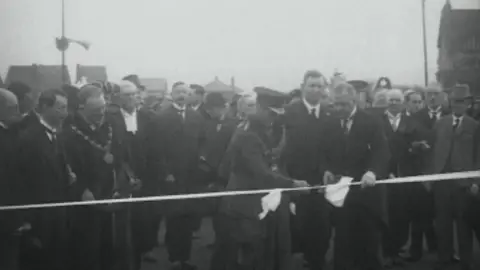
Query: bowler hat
pixel 460 92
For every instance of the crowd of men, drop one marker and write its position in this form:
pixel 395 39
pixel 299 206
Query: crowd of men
pixel 104 141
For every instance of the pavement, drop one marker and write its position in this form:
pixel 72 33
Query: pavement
pixel 201 254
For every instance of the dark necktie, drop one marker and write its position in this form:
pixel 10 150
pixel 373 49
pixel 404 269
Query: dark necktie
pixel 456 123
pixel 345 125
pixel 313 112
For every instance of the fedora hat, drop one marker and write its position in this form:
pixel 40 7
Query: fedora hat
pixel 434 88
pixel 460 92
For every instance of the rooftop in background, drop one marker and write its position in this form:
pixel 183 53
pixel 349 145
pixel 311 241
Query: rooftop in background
pixel 155 84
pixel 92 73
pixel 218 86
pixel 465 4
pixel 37 77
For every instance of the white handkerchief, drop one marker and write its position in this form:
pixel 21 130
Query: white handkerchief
pixel 270 202
pixel 337 193
pixel 293 208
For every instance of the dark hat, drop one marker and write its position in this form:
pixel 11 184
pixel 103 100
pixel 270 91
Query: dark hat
pixel 460 92
pixel 214 100
pixel 133 78
pixel 269 98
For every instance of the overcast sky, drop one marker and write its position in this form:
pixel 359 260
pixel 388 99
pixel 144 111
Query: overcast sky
pixel 260 42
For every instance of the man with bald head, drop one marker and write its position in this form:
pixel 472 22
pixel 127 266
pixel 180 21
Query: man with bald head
pixel 357 147
pixel 175 142
pixel 9 193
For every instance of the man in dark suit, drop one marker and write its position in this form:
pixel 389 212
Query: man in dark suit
pixel 129 125
pixel 358 148
pixel 10 221
pixel 256 243
pixel 179 132
pixel 455 150
pixel 300 158
pixel 43 174
pixel 422 212
pixel 402 132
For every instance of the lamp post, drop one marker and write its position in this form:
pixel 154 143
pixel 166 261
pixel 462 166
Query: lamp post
pixel 425 51
pixel 63 43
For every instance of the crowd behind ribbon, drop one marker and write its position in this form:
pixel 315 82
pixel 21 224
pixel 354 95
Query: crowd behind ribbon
pixel 107 140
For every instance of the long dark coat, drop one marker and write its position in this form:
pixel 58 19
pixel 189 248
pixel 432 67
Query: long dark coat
pixel 174 149
pixel 247 160
pixel 42 172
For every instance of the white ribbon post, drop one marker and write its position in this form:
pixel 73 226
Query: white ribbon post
pixel 412 179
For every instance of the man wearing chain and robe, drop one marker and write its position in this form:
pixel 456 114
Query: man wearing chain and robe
pixel 93 154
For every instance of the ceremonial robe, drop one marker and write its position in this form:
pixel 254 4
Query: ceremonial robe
pixel 256 243
pixel 93 226
pixel 455 150
pixel 301 158
pixel 358 224
pixel 133 148
pixel 42 172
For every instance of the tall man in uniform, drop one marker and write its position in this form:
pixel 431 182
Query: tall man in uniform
pixel 455 150
pixel 10 221
pixel 304 135
pixel 44 176
pixel 358 148
pixel 179 133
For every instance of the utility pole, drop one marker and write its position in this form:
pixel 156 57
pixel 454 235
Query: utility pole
pixel 425 51
pixel 64 79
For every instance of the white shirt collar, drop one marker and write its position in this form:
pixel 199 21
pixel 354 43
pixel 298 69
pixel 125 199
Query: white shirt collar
pixel 178 107
pixel 390 115
pixel 311 107
pixel 460 119
pixel 51 134
pixel 130 120
pixel 195 108
pixel 437 110
pixel 354 111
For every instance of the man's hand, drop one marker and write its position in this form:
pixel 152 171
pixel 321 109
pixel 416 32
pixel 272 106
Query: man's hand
pixel 474 189
pixel 328 178
pixel 87 195
pixel 136 184
pixel 421 145
pixel 391 176
pixel 170 178
pixel 72 178
pixel 300 184
pixel 428 186
pixel 293 208
pixel 368 179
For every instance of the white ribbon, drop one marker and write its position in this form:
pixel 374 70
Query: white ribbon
pixel 412 179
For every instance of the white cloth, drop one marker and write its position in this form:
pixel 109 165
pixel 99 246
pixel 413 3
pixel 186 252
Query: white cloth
pixel 337 193
pixel 311 107
pixel 130 120
pixel 270 202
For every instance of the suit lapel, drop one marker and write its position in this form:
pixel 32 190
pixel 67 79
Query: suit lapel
pixel 388 125
pixel 402 125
